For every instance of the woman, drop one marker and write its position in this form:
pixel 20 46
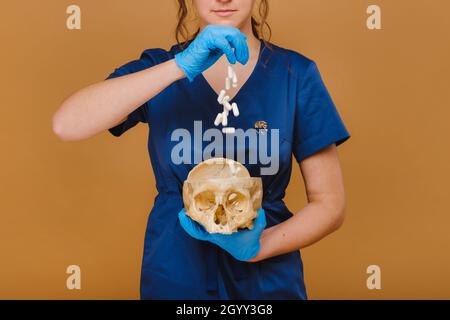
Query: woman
pixel 172 89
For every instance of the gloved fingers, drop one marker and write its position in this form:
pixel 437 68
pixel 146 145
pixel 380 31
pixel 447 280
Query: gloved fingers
pixel 239 43
pixel 192 227
pixel 223 45
pixel 234 38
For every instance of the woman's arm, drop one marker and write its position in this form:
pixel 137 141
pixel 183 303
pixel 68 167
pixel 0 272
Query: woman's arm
pixel 105 104
pixel 323 215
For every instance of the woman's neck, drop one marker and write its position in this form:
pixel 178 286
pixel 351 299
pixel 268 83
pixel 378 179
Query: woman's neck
pixel 252 42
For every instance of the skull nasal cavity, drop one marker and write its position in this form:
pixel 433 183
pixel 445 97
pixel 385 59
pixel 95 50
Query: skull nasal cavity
pixel 220 216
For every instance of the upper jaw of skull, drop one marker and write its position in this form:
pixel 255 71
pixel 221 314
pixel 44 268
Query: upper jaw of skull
pixel 222 205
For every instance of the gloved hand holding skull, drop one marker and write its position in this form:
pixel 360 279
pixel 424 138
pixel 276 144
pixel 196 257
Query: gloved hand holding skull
pixel 223 205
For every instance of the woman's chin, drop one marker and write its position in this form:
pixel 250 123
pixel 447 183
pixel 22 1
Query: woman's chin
pixel 225 23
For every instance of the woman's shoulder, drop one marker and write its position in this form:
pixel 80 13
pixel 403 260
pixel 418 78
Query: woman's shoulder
pixel 296 59
pixel 155 55
pixel 159 55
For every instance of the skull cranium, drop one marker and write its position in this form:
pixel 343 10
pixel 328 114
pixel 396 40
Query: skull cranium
pixel 220 194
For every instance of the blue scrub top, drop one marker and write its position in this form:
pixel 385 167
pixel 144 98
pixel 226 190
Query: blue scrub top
pixel 286 91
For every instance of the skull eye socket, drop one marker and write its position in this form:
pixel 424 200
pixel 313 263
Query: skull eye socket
pixel 205 201
pixel 236 202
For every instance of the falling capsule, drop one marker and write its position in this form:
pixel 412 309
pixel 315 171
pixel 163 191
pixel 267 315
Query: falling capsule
pixel 235 81
pixel 225 118
pixel 235 109
pixel 221 96
pixel 225 111
pixel 218 119
pixel 226 104
pixel 230 72
pixel 228 130
pixel 227 83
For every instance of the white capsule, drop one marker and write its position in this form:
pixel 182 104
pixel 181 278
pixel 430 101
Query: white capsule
pixel 228 130
pixel 218 119
pixel 235 109
pixel 226 104
pixel 227 83
pixel 221 96
pixel 225 111
pixel 230 72
pixel 224 119
pixel 235 81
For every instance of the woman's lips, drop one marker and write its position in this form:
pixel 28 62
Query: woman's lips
pixel 224 13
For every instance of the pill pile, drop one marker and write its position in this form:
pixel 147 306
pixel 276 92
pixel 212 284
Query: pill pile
pixel 222 117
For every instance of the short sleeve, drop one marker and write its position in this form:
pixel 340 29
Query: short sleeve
pixel 317 123
pixel 146 60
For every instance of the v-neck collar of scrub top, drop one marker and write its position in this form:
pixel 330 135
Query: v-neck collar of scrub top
pixel 202 95
pixel 253 74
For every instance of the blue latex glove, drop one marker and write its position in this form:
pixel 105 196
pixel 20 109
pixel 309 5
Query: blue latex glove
pixel 242 245
pixel 209 46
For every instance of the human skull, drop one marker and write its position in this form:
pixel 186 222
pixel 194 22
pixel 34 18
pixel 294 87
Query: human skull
pixel 220 195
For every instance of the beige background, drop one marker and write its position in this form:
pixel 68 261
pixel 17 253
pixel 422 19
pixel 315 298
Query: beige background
pixel 86 203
